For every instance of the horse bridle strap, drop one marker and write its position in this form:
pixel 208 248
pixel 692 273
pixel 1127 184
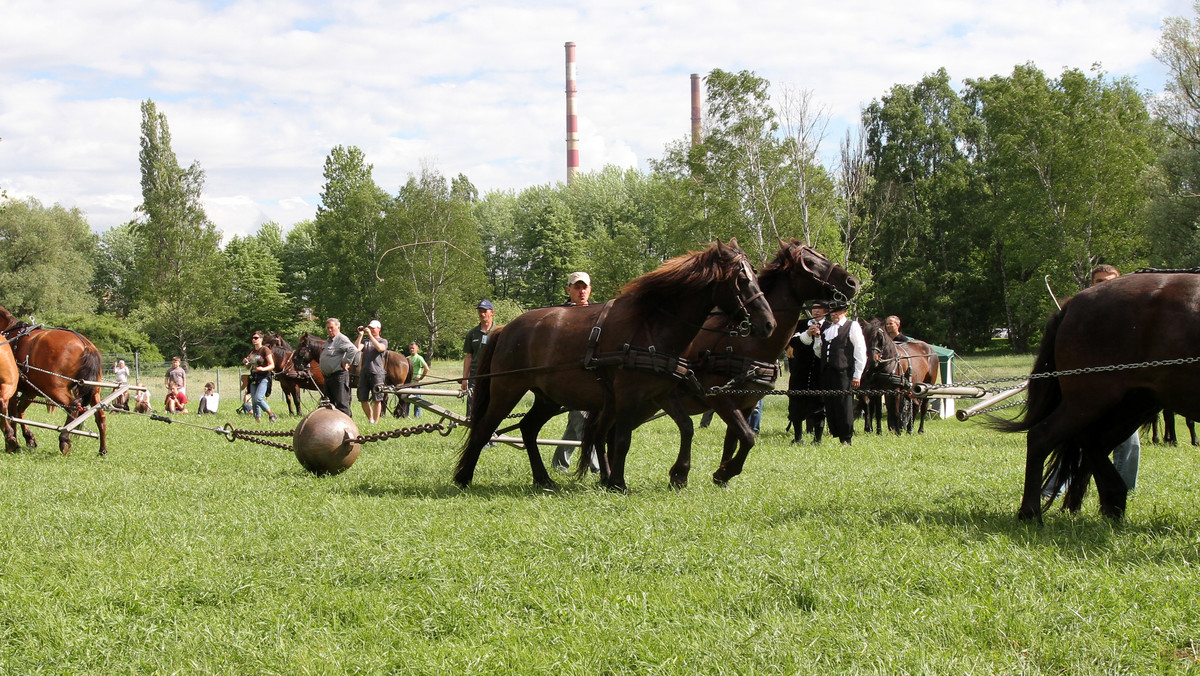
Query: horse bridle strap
pixel 594 337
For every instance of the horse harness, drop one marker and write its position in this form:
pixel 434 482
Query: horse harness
pixel 636 358
pixel 740 370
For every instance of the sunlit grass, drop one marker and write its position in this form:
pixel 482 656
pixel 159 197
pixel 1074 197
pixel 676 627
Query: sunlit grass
pixel 181 552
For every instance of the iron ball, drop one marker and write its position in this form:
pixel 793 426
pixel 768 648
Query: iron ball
pixel 323 442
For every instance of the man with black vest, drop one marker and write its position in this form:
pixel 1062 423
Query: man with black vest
pixel 843 351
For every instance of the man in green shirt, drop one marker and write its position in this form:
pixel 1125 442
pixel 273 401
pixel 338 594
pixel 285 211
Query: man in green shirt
pixel 420 369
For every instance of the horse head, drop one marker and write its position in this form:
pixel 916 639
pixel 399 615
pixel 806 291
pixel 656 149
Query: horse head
pixel 826 279
pixel 737 291
pixel 881 349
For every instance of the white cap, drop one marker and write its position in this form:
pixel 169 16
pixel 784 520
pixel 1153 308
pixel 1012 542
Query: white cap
pixel 375 324
pixel 579 277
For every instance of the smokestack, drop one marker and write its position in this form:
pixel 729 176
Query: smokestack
pixel 697 135
pixel 572 118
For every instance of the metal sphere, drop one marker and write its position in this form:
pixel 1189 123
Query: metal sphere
pixel 322 442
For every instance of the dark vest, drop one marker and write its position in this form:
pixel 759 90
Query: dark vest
pixel 839 353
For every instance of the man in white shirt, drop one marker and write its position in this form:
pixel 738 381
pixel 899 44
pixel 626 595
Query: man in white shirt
pixel 840 345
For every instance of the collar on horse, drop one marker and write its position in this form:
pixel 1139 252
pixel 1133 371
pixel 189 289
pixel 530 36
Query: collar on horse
pixel 740 370
pixel 637 358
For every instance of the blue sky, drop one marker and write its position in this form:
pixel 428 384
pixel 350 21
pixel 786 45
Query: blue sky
pixel 258 91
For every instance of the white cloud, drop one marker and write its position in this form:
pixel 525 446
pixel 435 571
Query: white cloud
pixel 258 91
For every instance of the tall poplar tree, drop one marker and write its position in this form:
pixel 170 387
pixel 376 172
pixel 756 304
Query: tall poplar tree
pixel 180 276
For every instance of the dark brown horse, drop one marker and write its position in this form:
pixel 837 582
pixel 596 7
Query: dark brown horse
pixel 615 360
pixel 880 374
pixel 916 362
pixel 795 277
pixel 282 351
pixel 397 369
pixel 1075 419
pixel 53 363
pixel 9 380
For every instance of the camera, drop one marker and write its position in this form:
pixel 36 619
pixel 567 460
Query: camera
pixel 361 329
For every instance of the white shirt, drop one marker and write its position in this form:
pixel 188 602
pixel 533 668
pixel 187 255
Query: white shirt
pixel 857 341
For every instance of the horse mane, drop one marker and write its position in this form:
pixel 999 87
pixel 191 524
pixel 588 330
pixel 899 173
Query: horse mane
pixel 780 267
pixel 6 319
pixel 686 274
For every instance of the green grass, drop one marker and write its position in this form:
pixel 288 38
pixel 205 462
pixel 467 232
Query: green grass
pixel 181 552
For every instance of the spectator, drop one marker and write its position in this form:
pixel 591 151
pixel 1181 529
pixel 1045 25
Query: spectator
pixel 209 401
pixel 335 363
pixel 121 372
pixel 420 369
pixel 141 400
pixel 579 294
pixel 261 361
pixel 370 370
pixel 176 382
pixel 892 326
pixel 476 339
pixel 1127 455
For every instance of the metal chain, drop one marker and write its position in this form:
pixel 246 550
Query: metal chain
pixel 1080 371
pixel 1001 407
pixel 444 430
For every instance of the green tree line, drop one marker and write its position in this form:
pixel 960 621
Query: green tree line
pixel 956 205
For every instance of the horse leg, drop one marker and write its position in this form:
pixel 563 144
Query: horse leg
pixel 10 434
pixel 738 436
pixel 687 432
pixel 19 412
pixel 539 414
pixel 1169 428
pixel 1191 427
pixel 1062 425
pixel 924 412
pixel 500 403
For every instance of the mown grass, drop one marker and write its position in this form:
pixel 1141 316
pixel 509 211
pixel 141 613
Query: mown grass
pixel 181 552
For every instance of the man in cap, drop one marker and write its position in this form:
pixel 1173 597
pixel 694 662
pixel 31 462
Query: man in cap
pixel 476 339
pixel 370 370
pixel 843 350
pixel 579 293
pixel 805 368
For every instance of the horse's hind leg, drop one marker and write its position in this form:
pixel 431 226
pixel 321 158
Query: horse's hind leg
pixel 739 439
pixel 19 412
pixel 687 433
pixel 542 411
pixel 481 431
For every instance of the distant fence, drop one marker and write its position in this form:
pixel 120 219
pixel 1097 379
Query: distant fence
pixel 154 374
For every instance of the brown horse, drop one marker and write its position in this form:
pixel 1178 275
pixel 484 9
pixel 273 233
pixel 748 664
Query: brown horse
pixel 796 276
pixel 881 373
pixel 916 362
pixel 9 380
pixel 615 360
pixel 53 363
pixel 397 369
pixel 282 351
pixel 1075 419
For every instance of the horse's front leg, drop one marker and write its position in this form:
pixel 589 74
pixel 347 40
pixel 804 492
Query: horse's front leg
pixel 687 432
pixel 10 433
pixel 19 412
pixel 542 411
pixel 739 439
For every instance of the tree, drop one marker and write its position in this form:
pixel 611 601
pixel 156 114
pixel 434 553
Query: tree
pixel 181 281
pixel 1179 51
pixel 812 217
pixel 346 244
pixel 257 297
pixel 46 256
pixel 113 284
pixel 435 275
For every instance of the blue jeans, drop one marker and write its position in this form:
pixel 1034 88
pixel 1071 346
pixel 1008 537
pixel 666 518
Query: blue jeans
pixel 755 420
pixel 258 396
pixel 1125 458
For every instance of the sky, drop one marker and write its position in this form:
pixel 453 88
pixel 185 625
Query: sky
pixel 258 91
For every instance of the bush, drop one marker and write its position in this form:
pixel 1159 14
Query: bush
pixel 108 333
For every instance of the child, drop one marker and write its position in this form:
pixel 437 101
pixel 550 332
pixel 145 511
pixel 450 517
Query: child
pixel 142 400
pixel 209 400
pixel 175 401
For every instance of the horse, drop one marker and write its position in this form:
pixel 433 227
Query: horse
pixel 797 275
pixel 397 369
pixel 282 351
pixel 880 373
pixel 10 378
pixel 1101 372
pixel 615 360
pixel 53 364
pixel 1168 426
pixel 916 362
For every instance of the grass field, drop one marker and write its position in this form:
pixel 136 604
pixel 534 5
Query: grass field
pixel 181 552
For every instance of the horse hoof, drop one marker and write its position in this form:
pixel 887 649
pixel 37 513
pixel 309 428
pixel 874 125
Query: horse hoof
pixel 678 485
pixel 719 481
pixel 547 485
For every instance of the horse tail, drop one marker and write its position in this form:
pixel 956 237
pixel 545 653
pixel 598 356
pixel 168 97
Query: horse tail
pixel 89 369
pixel 1045 394
pixel 481 396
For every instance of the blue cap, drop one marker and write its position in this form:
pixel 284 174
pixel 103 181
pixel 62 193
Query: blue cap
pixel 485 304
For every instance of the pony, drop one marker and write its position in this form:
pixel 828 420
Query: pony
pixel 615 360
pixel 53 364
pixel 1101 372
pixel 397 369
pixel 795 276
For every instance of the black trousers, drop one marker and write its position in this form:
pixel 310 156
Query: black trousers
pixel 337 390
pixel 839 408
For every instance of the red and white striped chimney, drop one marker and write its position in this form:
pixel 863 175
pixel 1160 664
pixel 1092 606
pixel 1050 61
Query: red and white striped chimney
pixel 697 137
pixel 572 117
